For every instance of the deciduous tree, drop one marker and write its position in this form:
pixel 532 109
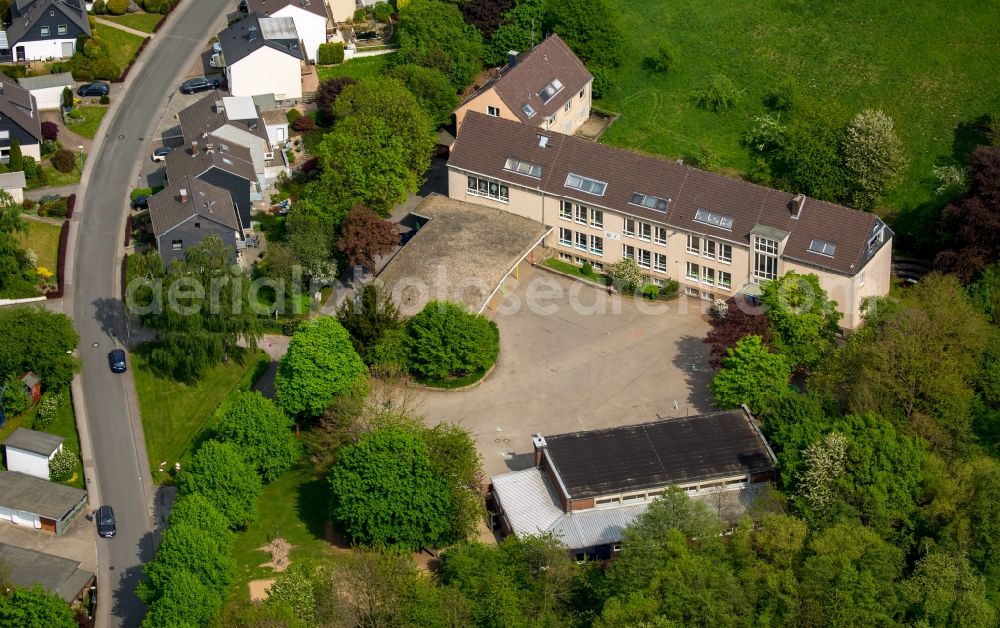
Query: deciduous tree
pixel 740 320
pixel 803 318
pixel 945 590
pixel 364 236
pixel 261 432
pixel 434 93
pixel 327 94
pixel 34 607
pixel 34 339
pixel 219 472
pixel 970 224
pixel 433 33
pixel 485 15
pixel 447 341
pixel 370 318
pixel 873 156
pixel 592 28
pixel 750 374
pixel 520 30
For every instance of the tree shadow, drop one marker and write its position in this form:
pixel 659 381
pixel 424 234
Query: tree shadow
pixel 313 505
pixel 691 357
pixel 969 135
pixel 125 603
pixel 110 313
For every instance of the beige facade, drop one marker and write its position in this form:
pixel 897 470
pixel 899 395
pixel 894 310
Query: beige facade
pixel 566 120
pixel 706 266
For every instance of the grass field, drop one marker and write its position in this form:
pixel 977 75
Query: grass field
pixel 55 179
pixel 92 117
pixel 139 21
pixel 174 414
pixel 43 238
pixel 121 45
pixel 356 68
pixel 930 65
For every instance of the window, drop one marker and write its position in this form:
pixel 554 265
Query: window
pixel 581 241
pixel 616 547
pixel 61 29
pixel 708 296
pixel 597 218
pixel 823 248
pixel 691 292
pixel 568 105
pixel 177 245
pixel 628 252
pixel 708 275
pixel 709 250
pixel 488 189
pixel 590 186
pixel 765 265
pixel 861 279
pixel 643 259
pixel 692 271
pixel 660 235
pixel 566 210
pixel 565 256
pixel 197 225
pixel 694 244
pixel 725 280
pixel 550 90
pixel 645 231
pixel 714 219
pixel 523 167
pixel 565 237
pixel 875 240
pixel 649 202
pixel 597 245
pixel 528 110
pixel 629 229
pixel 583 92
pixel 597 265
pixel 493 111
pixel 725 253
pixel 767 246
pixel 582 215
pixel 4 135
pixel 660 262
pixel 45 31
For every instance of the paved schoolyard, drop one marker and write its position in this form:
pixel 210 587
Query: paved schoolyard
pixel 576 358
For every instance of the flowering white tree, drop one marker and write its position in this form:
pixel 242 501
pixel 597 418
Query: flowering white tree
pixel 873 156
pixel 824 464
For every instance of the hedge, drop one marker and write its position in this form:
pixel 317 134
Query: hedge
pixel 331 54
pixel 135 57
pixel 117 7
pixel 60 264
pixel 70 205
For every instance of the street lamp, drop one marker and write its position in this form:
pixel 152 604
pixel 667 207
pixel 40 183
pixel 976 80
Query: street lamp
pixel 80 148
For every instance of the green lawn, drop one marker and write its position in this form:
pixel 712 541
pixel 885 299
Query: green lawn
pixel 293 507
pixel 55 179
pixel 174 414
pixel 64 425
pixel 356 68
pixel 121 44
pixel 139 21
pixel 92 117
pixel 43 238
pixel 574 270
pixel 930 65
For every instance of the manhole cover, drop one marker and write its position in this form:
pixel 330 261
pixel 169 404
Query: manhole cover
pixel 96 344
pixel 121 137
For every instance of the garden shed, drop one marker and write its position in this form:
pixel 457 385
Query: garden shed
pixel 47 89
pixel 32 386
pixel 29 452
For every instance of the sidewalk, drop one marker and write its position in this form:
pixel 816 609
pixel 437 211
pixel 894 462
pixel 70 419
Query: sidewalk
pixel 122 27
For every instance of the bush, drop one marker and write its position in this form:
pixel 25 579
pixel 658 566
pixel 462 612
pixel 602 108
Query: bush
pixel 446 341
pixel 28 205
pixel 100 8
pixel 331 54
pixel 50 131
pixel 117 7
pixel 105 100
pixel 15 400
pixel 304 123
pixel 651 291
pixel 71 205
pixel 665 58
pixel 587 269
pixel 785 96
pixel 67 98
pixel 626 275
pixel 62 466
pixel 14 71
pixel 47 409
pixel 604 80
pixel 720 94
pixel 382 12
pixel 15 161
pixel 105 69
pixel 165 8
pixel 292 115
pixel 360 15
pixel 55 208
pixel 152 6
pixel 64 161
pixel 95 48
pixel 92 22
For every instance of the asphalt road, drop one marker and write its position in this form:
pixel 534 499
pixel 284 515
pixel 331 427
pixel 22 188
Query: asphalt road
pixel 122 473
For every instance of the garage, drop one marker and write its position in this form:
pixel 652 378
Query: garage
pixel 48 89
pixel 40 504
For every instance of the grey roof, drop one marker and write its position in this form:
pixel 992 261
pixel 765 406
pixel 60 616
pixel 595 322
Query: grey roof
pixel 273 6
pixel 37 496
pixel 36 442
pixel 265 102
pixel 26 568
pixel 255 32
pixel 231 158
pixel 24 14
pixel 11 180
pixel 63 79
pixel 18 105
pixel 204 201
pixel 273 117
pixel 208 114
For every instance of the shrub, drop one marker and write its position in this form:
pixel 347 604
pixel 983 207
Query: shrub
pixel 95 48
pixel 15 400
pixel 331 54
pixel 62 466
pixel 382 12
pixel 67 98
pixel 670 288
pixel 305 123
pixel 15 162
pixel 92 21
pixel 720 94
pixel 152 6
pixel 165 8
pixel 64 161
pixel 28 205
pixel 447 341
pixel 74 115
pixel 14 71
pixel 587 268
pixel 604 80
pixel 665 58
pixel 292 115
pixel 47 409
pixel 70 205
pixel 651 291
pixel 105 69
pixel 360 15
pixel 626 275
pixel 785 96
pixel 117 7
pixel 100 8
pixel 105 100
pixel 50 131
pixel 54 209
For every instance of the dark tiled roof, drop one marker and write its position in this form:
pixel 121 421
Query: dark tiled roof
pixel 18 105
pixel 667 452
pixel 247 36
pixel 167 210
pixel 36 442
pixel 265 7
pixel 27 568
pixel 24 14
pixel 485 143
pixel 234 158
pixel 209 114
pixel 551 59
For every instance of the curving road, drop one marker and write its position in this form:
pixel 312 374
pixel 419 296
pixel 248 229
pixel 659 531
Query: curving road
pixel 120 470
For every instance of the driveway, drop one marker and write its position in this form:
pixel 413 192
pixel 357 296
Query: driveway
pixel 574 358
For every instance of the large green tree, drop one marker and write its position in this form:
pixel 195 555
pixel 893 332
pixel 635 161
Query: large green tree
pixel 260 431
pixel 34 607
pixel 750 374
pixel 183 600
pixel 448 341
pixel 945 590
pixel 592 28
pixel 195 510
pixel 434 93
pixel 520 29
pixel 873 157
pixel 804 320
pixel 321 363
pixel 369 318
pixel 34 339
pixel 186 547
pixel 385 493
pixel 433 33
pixel 808 158
pixel 219 472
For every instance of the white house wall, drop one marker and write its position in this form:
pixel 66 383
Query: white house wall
pixel 28 463
pixel 310 27
pixel 49 97
pixel 45 49
pixel 266 71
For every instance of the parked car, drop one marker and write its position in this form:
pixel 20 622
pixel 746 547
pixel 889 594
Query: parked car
pixel 140 202
pixel 116 360
pixel 106 522
pixel 199 84
pixel 94 89
pixel 160 154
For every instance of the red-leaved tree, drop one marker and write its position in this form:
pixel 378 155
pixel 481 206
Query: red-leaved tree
pixel 50 131
pixel 972 223
pixel 741 320
pixel 363 236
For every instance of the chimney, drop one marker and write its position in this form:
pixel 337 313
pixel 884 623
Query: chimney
pixel 539 442
pixel 511 58
pixel 184 195
pixel 194 148
pixel 798 202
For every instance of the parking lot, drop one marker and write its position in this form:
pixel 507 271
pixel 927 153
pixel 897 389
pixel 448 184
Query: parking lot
pixel 574 358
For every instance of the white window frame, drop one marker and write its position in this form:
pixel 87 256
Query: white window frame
pixel 725 253
pixel 660 235
pixel 628 251
pixel 725 280
pixel 693 244
pixel 708 275
pixel 660 262
pixel 177 245
pixel 581 241
pixel 693 271
pixel 691 292
pixel 643 258
pixel 565 237
pixel 861 280
pixel 502 194
pixel 44 31
pixel 597 245
pixel 493 111
pixel 568 105
pixel 582 215
pixel 629 228
pixel 566 210
pixel 708 249
pixel 645 232
pixel 597 218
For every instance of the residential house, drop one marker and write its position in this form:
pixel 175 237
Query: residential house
pixel 586 487
pixel 263 55
pixel 18 120
pixel 39 30
pixel 43 505
pixel 341 10
pixel 547 87
pixel 27 568
pixel 30 452
pixel 716 235
pixel 189 210
pixel 48 88
pixel 13 183
pixel 310 17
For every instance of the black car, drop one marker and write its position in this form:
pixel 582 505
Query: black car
pixel 116 360
pixel 199 84
pixel 140 202
pixel 94 89
pixel 106 522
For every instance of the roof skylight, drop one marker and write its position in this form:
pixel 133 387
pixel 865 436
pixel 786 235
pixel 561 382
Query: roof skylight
pixel 649 202
pixel 584 184
pixel 550 90
pixel 714 219
pixel 528 110
pixel 823 248
pixel 523 167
